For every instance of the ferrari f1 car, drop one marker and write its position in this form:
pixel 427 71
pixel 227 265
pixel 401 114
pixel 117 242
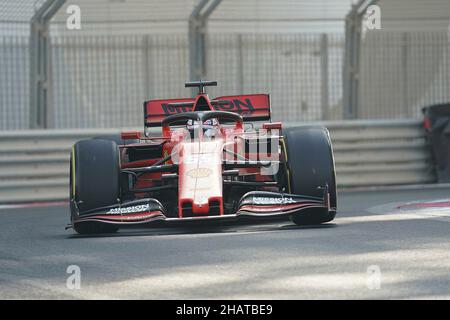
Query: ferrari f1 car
pixel 209 163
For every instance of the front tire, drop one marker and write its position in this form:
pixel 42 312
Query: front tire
pixel 94 181
pixel 311 166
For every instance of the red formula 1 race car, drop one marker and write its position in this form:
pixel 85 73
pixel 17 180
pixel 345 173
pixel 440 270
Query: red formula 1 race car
pixel 209 163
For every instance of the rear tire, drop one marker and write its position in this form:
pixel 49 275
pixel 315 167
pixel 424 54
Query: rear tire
pixel 94 181
pixel 311 165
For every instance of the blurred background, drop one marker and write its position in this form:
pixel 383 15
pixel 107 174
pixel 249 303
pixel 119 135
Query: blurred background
pixel 320 60
pixel 315 58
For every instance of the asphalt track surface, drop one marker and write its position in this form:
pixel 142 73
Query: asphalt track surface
pixel 277 260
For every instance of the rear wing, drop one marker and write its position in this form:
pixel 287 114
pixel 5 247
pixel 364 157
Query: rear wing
pixel 252 107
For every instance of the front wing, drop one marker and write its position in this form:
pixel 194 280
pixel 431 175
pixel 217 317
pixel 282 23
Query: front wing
pixel 255 204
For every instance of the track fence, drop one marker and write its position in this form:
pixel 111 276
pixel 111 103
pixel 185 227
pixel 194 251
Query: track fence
pixel 102 81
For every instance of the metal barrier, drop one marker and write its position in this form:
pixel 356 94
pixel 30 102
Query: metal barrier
pixel 377 153
pixel 34 164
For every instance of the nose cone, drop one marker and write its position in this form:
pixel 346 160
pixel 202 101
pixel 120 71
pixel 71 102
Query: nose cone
pixel 200 178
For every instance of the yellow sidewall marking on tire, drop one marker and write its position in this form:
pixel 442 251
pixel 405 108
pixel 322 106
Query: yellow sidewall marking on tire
pixel 287 166
pixel 73 171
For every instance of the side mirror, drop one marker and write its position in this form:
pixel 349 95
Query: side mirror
pixel 272 125
pixel 131 135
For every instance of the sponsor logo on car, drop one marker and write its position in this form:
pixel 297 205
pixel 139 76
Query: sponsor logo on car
pixel 199 173
pixel 271 200
pixel 133 209
pixel 235 105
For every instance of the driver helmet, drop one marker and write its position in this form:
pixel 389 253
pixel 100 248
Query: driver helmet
pixel 209 126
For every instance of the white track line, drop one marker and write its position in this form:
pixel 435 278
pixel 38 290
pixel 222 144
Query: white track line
pixel 33 205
